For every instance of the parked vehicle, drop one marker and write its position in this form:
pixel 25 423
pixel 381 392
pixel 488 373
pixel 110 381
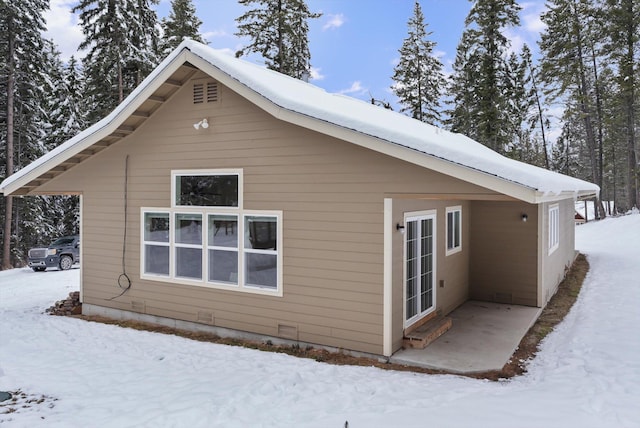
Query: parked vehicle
pixel 62 253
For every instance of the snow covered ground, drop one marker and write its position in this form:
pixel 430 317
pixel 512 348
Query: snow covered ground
pixel 88 374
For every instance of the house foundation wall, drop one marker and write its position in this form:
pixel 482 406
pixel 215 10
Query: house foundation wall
pixel 120 315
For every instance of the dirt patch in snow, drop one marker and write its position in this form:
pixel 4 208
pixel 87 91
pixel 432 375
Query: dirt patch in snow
pixel 21 402
pixel 552 314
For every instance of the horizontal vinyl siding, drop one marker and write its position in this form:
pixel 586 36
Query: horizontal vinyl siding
pixel 504 262
pixel 331 194
pixel 557 263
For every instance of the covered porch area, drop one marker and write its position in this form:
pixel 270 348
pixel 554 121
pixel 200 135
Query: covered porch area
pixel 483 337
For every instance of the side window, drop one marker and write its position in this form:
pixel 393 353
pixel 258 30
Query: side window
pixel 454 230
pixel 554 227
pixel 155 251
pixel 261 251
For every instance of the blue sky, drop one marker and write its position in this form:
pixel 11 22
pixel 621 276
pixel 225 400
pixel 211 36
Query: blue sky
pixel 354 45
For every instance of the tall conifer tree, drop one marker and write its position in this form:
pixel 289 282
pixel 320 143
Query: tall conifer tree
pixel 462 88
pixel 182 22
pixel 420 82
pixel 278 30
pixel 485 42
pixel 21 78
pixel 569 71
pixel 122 41
pixel 623 36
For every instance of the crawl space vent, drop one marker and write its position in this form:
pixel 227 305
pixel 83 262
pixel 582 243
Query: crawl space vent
pixel 288 331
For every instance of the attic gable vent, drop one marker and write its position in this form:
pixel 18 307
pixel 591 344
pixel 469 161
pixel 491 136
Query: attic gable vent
pixel 212 92
pixel 199 92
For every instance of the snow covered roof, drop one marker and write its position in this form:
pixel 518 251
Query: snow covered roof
pixel 337 115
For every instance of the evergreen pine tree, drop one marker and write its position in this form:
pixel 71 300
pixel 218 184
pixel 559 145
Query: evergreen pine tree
pixel 182 22
pixel 462 88
pixel 485 41
pixel 278 30
pixel 521 104
pixel 623 45
pixel 41 219
pixel 570 70
pixel 21 82
pixel 122 41
pixel 419 79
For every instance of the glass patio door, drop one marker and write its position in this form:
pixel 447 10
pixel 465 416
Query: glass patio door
pixel 419 259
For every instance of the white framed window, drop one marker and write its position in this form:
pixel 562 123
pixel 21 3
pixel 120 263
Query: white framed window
pixel 454 229
pixel 204 188
pixel 155 243
pixel 205 242
pixel 554 227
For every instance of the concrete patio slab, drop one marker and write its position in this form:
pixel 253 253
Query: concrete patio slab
pixel 483 337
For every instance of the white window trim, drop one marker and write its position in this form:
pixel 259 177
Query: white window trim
pixel 457 249
pixel 181 172
pixel 410 216
pixel 205 212
pixel 204 282
pixel 554 227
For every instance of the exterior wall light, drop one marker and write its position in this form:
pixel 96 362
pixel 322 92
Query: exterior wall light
pixel 204 123
pixel 400 228
pixel 525 217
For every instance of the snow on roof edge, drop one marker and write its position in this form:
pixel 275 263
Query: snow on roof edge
pixel 349 113
pixel 303 98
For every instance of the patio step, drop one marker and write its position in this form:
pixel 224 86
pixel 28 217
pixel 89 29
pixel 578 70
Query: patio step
pixel 421 337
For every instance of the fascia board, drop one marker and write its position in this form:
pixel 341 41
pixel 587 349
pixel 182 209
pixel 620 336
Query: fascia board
pixel 94 133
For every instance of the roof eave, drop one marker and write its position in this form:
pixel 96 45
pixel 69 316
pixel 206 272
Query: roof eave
pixel 96 132
pixel 492 182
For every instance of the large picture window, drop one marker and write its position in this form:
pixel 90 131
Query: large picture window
pixel 207 239
pixel 454 230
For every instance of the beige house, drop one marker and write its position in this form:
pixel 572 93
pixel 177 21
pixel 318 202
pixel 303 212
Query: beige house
pixel 243 201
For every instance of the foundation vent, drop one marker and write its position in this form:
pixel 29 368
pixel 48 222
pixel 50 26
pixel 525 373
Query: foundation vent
pixel 138 306
pixel 503 298
pixel 288 331
pixel 205 317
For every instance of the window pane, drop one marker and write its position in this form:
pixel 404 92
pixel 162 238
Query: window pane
pixel 261 233
pixel 156 227
pixel 261 270
pixel 207 190
pixel 189 229
pixel 223 231
pixel 456 229
pixel 189 263
pixel 449 230
pixel 156 259
pixel 223 266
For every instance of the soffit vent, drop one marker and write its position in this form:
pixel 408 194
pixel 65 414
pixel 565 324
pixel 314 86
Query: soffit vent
pixel 202 93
